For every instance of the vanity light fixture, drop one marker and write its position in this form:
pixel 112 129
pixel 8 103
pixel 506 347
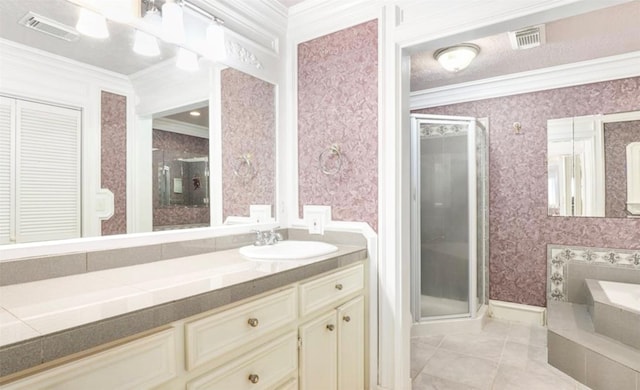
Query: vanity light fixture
pixel 187 60
pixel 146 44
pixel 216 50
pixel 172 22
pixel 92 24
pixel 456 58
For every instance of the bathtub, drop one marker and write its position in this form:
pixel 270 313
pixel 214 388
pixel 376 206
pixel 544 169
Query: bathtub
pixel 626 295
pixel 615 310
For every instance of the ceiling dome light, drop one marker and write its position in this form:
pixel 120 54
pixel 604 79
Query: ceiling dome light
pixel 194 113
pixel 92 24
pixel 172 22
pixel 187 60
pixel 455 58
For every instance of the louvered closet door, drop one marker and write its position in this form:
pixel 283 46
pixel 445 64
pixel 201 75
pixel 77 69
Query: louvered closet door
pixel 7 124
pixel 47 172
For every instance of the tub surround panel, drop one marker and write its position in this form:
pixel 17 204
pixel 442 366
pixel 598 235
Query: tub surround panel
pixel 248 128
pixel 140 298
pixel 114 159
pixel 519 226
pixel 616 138
pixel 563 285
pixel 338 104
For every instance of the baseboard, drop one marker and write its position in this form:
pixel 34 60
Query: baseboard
pixel 517 312
pixel 451 326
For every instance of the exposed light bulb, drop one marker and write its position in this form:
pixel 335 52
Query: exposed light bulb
pixel 172 22
pixel 92 24
pixel 146 44
pixel 215 50
pixel 187 60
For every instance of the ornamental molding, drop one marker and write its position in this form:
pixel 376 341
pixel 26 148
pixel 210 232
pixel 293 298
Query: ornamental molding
pixel 559 257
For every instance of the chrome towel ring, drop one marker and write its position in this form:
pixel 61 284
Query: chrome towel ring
pixel 244 169
pixel 332 153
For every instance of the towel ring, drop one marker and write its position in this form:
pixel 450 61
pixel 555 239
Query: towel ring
pixel 244 169
pixel 331 153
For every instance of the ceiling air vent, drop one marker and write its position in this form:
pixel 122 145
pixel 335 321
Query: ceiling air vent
pixel 49 27
pixel 527 38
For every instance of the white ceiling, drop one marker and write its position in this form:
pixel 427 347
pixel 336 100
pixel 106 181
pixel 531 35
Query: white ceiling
pixel 114 53
pixel 602 33
pixel 290 3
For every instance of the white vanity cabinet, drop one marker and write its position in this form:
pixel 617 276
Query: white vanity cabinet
pixel 139 364
pixel 332 343
pixel 307 335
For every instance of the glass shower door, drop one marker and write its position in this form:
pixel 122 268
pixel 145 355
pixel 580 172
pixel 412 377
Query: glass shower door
pixel 443 217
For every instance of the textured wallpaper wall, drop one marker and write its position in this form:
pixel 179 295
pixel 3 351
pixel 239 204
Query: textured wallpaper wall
pixel 248 128
pixel 338 104
pixel 114 159
pixel 519 226
pixel 616 138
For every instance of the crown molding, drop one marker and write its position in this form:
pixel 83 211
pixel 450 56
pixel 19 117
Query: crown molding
pixel 578 73
pixel 174 126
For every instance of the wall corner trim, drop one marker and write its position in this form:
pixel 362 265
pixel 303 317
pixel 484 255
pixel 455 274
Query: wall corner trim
pixel 534 315
pixel 578 73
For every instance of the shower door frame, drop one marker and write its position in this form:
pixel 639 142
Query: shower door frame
pixel 415 238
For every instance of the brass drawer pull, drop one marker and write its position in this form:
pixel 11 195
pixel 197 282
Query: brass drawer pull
pixel 331 327
pixel 254 378
pixel 346 318
pixel 339 286
pixel 253 322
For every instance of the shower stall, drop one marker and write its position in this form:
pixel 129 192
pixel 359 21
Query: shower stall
pixel 448 217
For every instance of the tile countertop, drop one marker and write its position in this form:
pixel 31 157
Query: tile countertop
pixel 90 309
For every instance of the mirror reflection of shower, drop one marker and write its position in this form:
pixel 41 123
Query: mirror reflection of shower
pixel 181 168
pixel 449 229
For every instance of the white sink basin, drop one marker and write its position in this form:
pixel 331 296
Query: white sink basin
pixel 288 250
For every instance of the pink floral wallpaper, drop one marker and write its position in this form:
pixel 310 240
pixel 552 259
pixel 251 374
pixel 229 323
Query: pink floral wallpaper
pixel 617 136
pixel 114 159
pixel 519 226
pixel 248 131
pixel 338 105
pixel 168 148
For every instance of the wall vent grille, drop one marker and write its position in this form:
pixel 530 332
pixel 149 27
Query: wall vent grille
pixel 527 38
pixel 48 26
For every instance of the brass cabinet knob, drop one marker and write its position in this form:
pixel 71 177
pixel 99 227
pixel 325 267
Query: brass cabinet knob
pixel 254 378
pixel 331 327
pixel 339 286
pixel 346 318
pixel 253 322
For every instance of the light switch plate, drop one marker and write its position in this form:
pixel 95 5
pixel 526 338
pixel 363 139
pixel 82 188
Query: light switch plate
pixel 316 218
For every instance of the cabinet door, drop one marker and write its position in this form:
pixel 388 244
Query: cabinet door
pixel 318 353
pixel 351 345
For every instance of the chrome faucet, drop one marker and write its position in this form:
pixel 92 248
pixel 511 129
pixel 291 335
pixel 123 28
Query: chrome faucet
pixel 267 237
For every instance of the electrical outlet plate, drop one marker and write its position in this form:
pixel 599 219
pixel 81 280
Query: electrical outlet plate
pixel 316 218
pixel 260 213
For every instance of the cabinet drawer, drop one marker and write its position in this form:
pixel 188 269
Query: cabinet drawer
pixel 139 364
pixel 220 333
pixel 264 368
pixel 327 290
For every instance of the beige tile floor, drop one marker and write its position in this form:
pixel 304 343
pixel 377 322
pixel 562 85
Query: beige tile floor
pixel 504 356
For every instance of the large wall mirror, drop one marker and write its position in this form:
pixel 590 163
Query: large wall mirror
pixel 111 135
pixel 594 165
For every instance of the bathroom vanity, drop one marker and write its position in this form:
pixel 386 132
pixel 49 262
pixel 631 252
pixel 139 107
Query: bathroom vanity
pixel 210 321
